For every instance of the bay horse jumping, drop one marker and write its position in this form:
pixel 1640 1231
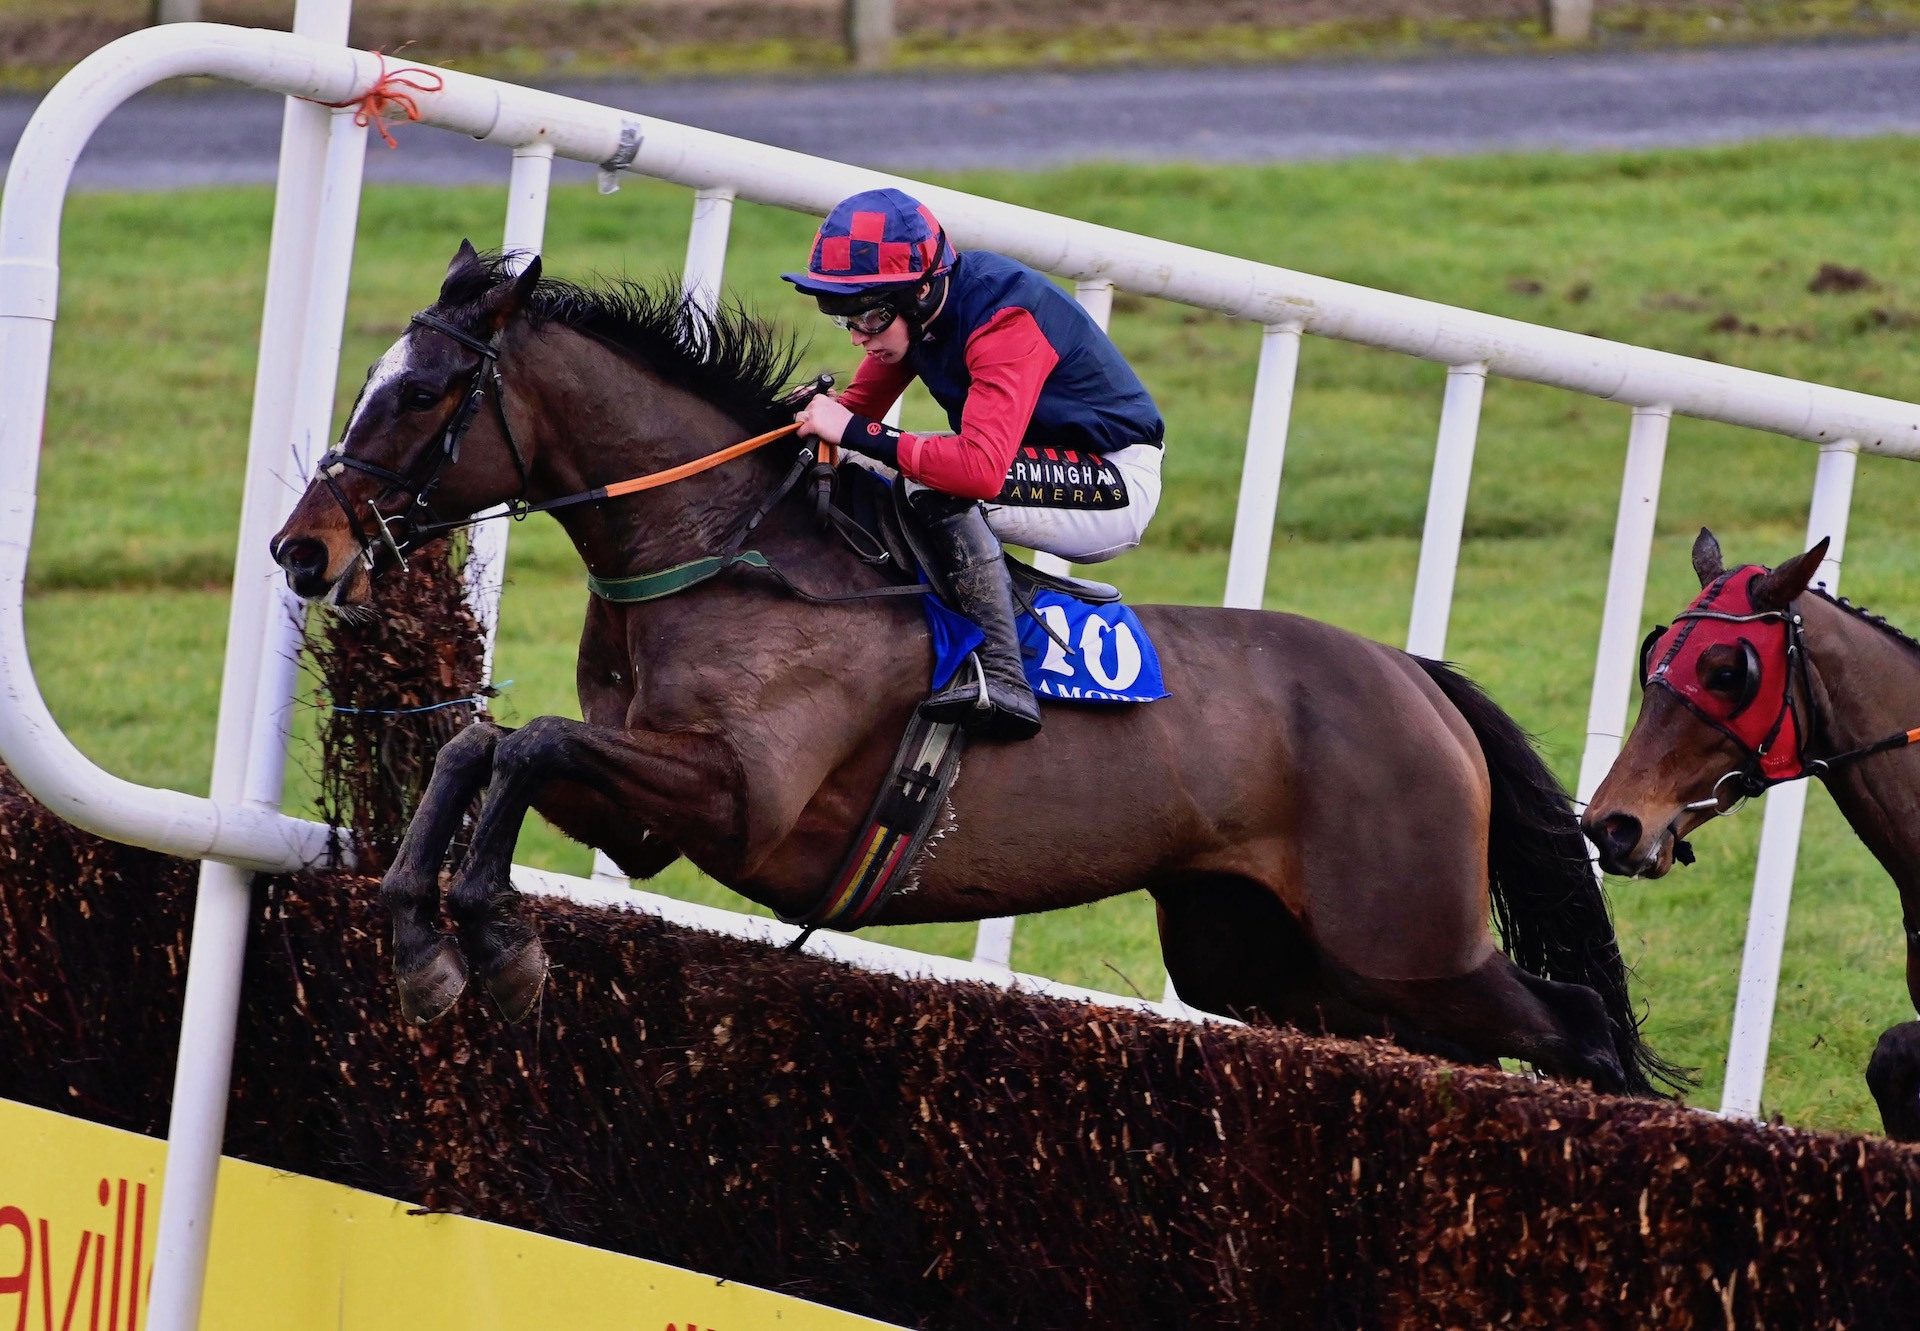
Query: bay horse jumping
pixel 1765 679
pixel 1324 823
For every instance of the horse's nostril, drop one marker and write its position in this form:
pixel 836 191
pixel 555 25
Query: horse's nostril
pixel 1617 834
pixel 302 555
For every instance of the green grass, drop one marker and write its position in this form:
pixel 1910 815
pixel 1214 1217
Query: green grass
pixel 154 367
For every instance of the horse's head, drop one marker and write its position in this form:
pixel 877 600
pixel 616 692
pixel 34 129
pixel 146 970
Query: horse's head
pixel 1722 712
pixel 428 440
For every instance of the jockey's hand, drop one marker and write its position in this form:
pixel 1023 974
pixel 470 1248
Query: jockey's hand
pixel 823 418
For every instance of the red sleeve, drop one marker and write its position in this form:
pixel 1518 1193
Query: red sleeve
pixel 1009 359
pixel 876 386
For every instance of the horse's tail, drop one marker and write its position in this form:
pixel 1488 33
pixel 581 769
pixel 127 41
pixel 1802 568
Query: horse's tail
pixel 1548 905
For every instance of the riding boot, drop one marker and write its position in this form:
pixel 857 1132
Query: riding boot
pixel 989 694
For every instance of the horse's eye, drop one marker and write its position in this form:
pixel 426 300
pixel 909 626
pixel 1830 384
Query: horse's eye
pixel 1727 679
pixel 416 398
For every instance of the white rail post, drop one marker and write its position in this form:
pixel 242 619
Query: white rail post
pixel 701 279
pixel 262 643
pixel 993 943
pixel 1260 466
pixel 1446 509
pixel 310 434
pixel 1095 295
pixel 1614 662
pixel 1096 298
pixel 700 284
pixel 1567 20
pixel 870 32
pixel 525 231
pixel 1786 808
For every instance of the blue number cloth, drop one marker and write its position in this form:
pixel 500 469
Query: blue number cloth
pixel 1108 657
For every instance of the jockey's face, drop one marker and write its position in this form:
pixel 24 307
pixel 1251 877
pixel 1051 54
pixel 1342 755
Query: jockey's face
pixel 890 343
pixel 886 346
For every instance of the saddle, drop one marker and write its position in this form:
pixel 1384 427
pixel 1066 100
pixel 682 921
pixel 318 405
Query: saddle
pixel 869 512
pixel 877 508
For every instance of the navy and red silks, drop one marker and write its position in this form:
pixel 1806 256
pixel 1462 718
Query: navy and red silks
pixel 877 238
pixel 1013 359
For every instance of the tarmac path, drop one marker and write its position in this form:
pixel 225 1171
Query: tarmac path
pixel 186 135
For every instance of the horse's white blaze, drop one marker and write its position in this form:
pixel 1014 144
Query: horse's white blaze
pixel 385 370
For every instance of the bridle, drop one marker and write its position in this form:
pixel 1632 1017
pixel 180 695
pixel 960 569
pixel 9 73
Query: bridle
pixel 1765 764
pixel 1751 778
pixel 442 453
pixel 419 528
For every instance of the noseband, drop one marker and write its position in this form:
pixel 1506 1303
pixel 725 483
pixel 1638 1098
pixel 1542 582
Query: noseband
pixel 435 459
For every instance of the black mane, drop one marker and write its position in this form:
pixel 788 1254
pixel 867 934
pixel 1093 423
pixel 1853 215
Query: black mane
pixel 1862 613
pixel 728 357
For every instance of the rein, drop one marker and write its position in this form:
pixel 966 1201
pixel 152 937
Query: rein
pixel 445 451
pixel 639 587
pixel 518 509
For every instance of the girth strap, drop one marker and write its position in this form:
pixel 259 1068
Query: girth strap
pixel 895 830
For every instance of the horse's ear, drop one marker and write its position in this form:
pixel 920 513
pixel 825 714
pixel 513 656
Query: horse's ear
pixel 1707 564
pixel 512 295
pixel 464 258
pixel 1782 587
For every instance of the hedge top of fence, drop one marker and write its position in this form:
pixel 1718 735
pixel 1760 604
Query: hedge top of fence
pixel 942 1155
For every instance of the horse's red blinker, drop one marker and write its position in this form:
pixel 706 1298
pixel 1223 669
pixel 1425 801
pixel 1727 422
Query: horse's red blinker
pixel 1747 698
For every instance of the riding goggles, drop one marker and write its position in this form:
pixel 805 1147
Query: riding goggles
pixel 870 322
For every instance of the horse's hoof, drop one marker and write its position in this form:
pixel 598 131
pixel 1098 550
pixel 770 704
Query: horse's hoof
pixel 429 989
pixel 515 982
pixel 1606 1075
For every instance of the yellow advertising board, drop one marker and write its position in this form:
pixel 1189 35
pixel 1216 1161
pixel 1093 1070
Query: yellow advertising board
pixel 79 1205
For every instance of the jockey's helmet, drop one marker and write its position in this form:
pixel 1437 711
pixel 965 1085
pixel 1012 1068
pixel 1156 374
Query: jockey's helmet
pixel 875 248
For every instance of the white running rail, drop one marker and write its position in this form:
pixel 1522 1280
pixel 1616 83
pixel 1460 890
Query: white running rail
pixel 240 828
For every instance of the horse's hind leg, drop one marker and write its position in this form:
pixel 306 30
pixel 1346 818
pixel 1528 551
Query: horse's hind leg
pixel 428 969
pixel 1233 948
pixel 1500 1011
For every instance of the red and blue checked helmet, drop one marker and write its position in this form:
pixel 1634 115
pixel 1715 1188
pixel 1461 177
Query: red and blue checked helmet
pixel 878 240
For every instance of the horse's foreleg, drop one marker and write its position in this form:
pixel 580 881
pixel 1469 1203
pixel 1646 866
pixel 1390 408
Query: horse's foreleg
pixel 428 968
pixel 684 786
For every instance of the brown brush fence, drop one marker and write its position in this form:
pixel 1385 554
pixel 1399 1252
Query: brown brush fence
pixel 935 1155
pixel 941 1155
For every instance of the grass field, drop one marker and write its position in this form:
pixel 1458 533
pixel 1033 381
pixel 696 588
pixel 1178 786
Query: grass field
pixel 153 373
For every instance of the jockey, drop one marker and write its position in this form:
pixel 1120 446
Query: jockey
pixel 1053 432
